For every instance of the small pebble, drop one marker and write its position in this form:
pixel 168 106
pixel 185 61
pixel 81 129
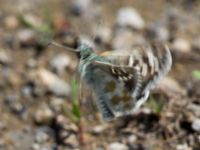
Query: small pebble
pixel 32 63
pixel 71 140
pixel 125 39
pixel 100 148
pixel 196 124
pixel 35 146
pixel 44 115
pixel 25 35
pixel 64 123
pixel 98 129
pixel 11 22
pixel 2 144
pixel 103 35
pixel 158 32
pixel 27 90
pixel 56 104
pixel 51 82
pixel 11 98
pixel 182 147
pixel 195 108
pixel 15 105
pixel 132 139
pixel 196 44
pixel 5 58
pixel 171 84
pixel 60 62
pixel 17 108
pixel 80 6
pixel 182 45
pixel 128 16
pixel 41 137
pixel 2 126
pixel 117 146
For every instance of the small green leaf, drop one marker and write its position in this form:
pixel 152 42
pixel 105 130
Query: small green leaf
pixel 48 27
pixel 156 105
pixel 76 106
pixel 48 18
pixel 196 74
pixel 25 22
pixel 74 88
pixel 76 110
pixel 70 114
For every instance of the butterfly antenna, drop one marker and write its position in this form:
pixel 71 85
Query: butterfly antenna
pixel 61 46
pixel 96 29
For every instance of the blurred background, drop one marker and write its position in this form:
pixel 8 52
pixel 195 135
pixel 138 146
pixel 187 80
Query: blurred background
pixel 39 85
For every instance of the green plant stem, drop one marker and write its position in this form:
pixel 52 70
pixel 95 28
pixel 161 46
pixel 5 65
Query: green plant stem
pixel 81 131
pixel 80 123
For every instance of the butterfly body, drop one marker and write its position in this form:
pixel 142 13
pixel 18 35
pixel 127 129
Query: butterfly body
pixel 122 82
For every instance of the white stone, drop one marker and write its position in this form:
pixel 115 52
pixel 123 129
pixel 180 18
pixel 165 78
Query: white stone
pixel 117 146
pixel 25 35
pixel 128 16
pixel 182 147
pixel 56 104
pixel 41 137
pixel 99 129
pixel 182 45
pixel 104 33
pixel 60 62
pixel 196 124
pixel 171 84
pixel 71 140
pixel 51 82
pixel 5 58
pixel 35 146
pixel 44 115
pixel 132 139
pixel 11 22
pixel 125 39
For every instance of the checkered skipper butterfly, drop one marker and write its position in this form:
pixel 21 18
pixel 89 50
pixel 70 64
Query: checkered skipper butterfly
pixel 122 80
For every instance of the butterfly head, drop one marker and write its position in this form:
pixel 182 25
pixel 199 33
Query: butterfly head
pixel 85 51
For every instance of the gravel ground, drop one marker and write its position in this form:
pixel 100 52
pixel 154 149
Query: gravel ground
pixel 37 91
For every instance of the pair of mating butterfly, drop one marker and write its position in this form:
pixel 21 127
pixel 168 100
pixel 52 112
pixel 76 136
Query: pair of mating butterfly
pixel 122 80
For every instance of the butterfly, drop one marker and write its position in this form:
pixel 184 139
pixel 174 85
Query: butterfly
pixel 122 80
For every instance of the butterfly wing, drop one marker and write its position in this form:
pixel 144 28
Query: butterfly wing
pixel 122 80
pixel 115 87
pixel 130 76
pixel 158 63
pixel 153 63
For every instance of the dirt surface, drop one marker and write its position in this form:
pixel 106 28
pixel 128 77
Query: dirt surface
pixel 37 109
